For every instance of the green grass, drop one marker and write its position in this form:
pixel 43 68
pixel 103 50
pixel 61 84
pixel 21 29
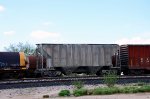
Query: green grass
pixel 107 90
pixel 113 90
pixel 129 90
pixel 145 88
pixel 64 93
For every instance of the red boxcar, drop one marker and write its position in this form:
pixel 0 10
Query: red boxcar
pixel 135 57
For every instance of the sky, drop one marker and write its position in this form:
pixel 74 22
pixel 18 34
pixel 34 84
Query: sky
pixel 74 21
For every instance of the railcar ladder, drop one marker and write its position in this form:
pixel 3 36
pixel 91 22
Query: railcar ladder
pixel 124 55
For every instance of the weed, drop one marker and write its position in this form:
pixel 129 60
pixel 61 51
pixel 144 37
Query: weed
pixel 78 84
pixel 110 78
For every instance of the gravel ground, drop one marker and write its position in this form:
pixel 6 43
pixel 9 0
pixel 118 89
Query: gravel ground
pixel 38 92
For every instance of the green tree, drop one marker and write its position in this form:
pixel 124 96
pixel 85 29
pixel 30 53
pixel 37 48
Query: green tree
pixel 21 47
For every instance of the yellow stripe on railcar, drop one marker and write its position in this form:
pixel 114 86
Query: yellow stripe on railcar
pixel 22 60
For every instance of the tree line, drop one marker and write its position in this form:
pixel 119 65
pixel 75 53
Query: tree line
pixel 21 47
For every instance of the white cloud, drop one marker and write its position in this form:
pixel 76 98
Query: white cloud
pixel 43 35
pixel 2 8
pixel 9 33
pixel 135 40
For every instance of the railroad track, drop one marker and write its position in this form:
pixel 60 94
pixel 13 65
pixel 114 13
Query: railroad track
pixel 56 81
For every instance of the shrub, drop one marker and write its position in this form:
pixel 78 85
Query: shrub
pixel 90 92
pixel 78 84
pixel 97 91
pixel 80 92
pixel 64 93
pixel 110 78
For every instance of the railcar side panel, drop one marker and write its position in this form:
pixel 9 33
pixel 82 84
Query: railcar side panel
pixel 56 57
pixel 89 55
pixel 83 55
pixel 63 55
pixel 101 55
pixel 69 55
pixel 135 57
pixel 139 56
pixel 95 57
pixel 74 55
pixel 9 59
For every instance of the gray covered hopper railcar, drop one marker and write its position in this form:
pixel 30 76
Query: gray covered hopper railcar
pixel 68 58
